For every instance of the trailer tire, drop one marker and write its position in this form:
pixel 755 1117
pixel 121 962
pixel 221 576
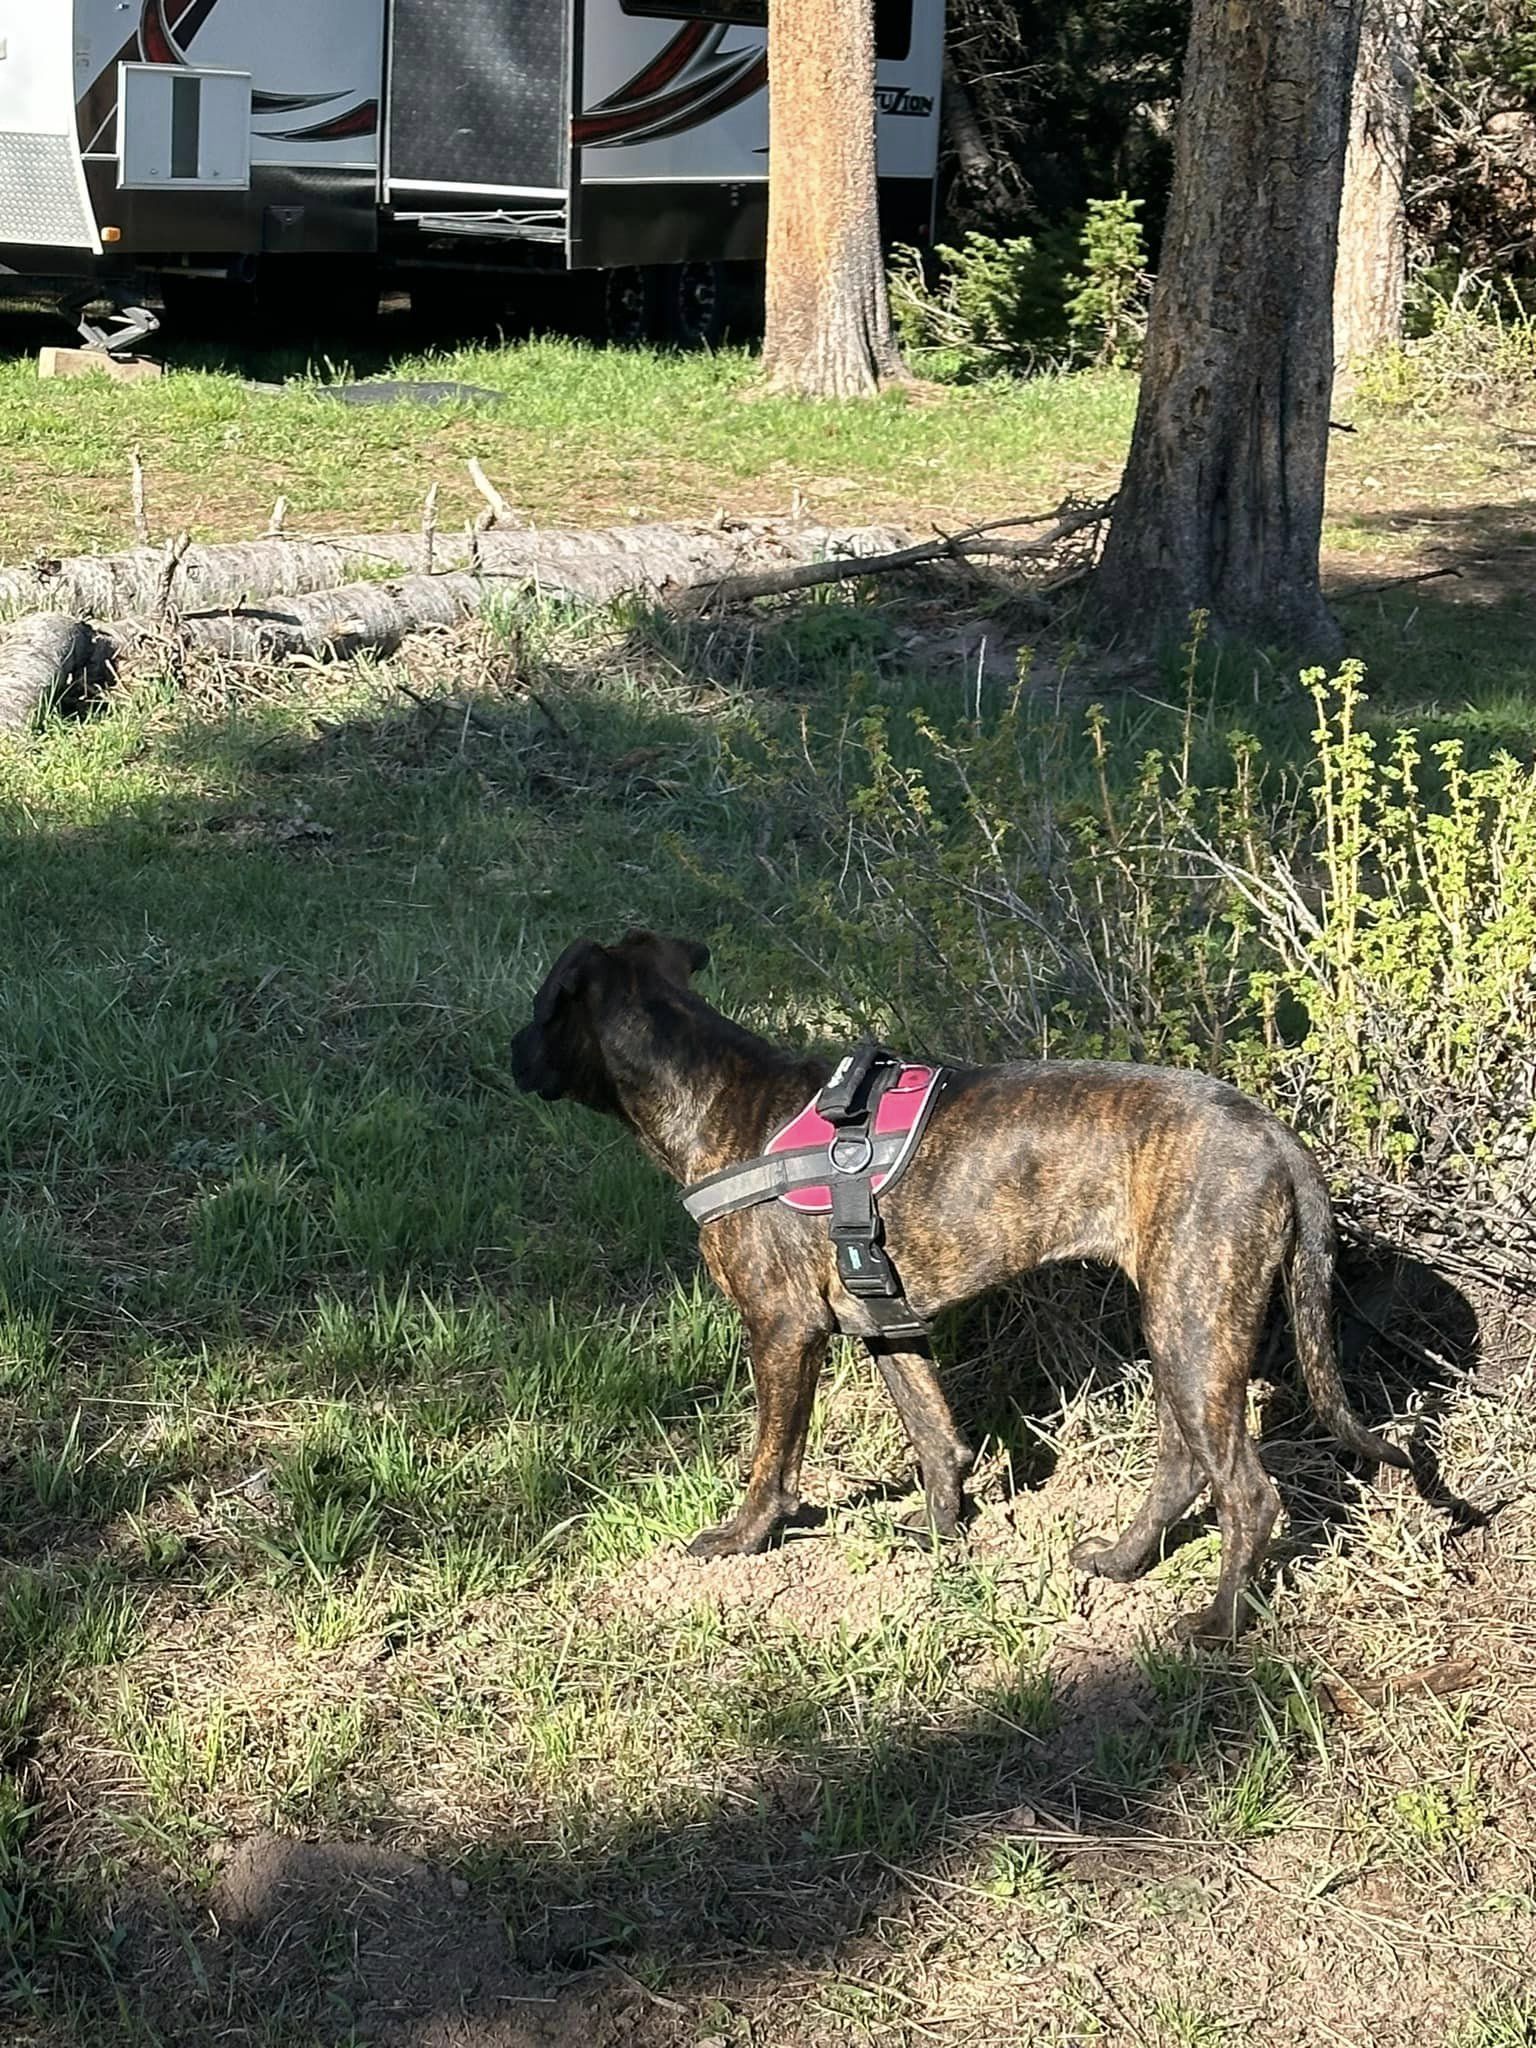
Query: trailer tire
pixel 630 316
pixel 695 306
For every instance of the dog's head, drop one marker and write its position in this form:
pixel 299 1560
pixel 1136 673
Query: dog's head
pixel 598 1010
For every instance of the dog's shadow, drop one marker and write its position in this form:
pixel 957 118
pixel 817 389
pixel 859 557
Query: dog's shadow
pixel 1408 1340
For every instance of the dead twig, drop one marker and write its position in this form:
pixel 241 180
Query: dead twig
pixel 1398 582
pixel 1449 1674
pixel 173 559
pixel 429 531
pixel 498 512
pixel 540 703
pixel 973 541
pixel 140 509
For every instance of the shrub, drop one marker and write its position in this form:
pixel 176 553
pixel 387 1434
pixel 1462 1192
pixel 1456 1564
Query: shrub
pixel 1074 295
pixel 994 305
pixel 1466 340
pixel 1107 310
pixel 1361 948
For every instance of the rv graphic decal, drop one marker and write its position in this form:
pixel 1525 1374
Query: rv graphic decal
pixel 895 99
pixel 689 82
pixel 166 31
pixel 157 43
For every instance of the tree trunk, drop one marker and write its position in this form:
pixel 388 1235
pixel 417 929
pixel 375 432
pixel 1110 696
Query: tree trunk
pixel 1373 234
pixel 1221 507
pixel 962 133
pixel 829 331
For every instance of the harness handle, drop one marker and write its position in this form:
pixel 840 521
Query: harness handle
pixel 845 1099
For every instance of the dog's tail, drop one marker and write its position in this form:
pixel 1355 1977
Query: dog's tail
pixel 1309 1285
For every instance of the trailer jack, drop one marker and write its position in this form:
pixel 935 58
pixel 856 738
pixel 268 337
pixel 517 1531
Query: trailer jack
pixel 125 324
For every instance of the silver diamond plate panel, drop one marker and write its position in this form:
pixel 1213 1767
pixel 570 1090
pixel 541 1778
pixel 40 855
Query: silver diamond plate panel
pixel 478 92
pixel 40 198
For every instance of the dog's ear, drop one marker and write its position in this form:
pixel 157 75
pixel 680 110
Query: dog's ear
pixel 678 959
pixel 576 968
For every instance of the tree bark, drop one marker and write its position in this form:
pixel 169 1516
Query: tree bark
pixel 1373 233
pixel 962 133
pixel 1221 506
pixel 829 332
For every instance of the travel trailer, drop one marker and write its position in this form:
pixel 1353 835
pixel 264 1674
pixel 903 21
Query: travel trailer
pixel 234 142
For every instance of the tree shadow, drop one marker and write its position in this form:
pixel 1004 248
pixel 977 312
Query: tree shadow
pixel 1449 648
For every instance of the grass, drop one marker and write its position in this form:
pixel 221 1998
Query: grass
pixel 352 1685
pixel 674 434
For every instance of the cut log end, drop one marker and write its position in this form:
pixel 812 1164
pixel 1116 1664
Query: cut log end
pixel 40 657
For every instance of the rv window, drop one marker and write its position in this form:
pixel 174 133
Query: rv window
pixel 893 18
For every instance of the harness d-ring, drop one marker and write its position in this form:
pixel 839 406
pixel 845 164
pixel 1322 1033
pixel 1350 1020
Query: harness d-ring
pixel 863 1146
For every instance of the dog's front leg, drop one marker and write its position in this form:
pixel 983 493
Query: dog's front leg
pixel 943 1457
pixel 786 1364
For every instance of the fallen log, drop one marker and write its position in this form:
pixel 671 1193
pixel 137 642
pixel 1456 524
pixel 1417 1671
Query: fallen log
pixel 602 563
pixel 46 652
pixel 39 655
pixel 326 625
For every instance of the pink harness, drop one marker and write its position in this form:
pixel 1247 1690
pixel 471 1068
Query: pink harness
pixel 900 1113
pixel 855 1137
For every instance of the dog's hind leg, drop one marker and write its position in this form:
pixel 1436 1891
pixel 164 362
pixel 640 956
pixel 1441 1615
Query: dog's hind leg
pixel 943 1456
pixel 1177 1483
pixel 786 1364
pixel 1203 1341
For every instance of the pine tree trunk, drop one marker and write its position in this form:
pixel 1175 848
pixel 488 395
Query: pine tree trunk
pixel 1221 506
pixel 1373 235
pixel 829 331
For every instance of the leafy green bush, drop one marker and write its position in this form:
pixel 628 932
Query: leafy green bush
pixel 1075 295
pixel 995 304
pixel 1412 948
pixel 1360 949
pixel 1466 339
pixel 1107 312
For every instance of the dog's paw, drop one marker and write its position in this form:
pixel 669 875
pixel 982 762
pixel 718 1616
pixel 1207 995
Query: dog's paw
pixel 1101 1560
pixel 729 1540
pixel 1213 1628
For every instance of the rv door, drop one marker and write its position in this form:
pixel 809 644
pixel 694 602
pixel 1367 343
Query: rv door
pixel 44 205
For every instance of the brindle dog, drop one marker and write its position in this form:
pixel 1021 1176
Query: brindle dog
pixel 1200 1196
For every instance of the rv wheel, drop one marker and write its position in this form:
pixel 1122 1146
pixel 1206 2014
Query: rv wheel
pixel 695 305
pixel 629 306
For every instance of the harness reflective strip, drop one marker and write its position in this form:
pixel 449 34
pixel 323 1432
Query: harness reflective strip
pixel 765 1179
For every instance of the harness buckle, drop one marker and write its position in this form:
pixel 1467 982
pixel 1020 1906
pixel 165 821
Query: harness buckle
pixel 862 1265
pixel 859 1144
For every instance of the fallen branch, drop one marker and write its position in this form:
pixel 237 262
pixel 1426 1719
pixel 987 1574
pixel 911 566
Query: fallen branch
pixel 601 562
pixel 1398 582
pixel 498 512
pixel 973 542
